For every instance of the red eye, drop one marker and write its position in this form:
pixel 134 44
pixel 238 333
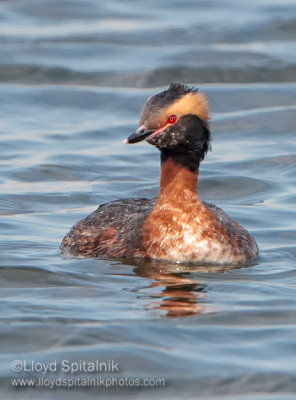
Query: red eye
pixel 172 119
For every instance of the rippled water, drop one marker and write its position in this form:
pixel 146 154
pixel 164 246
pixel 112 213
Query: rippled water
pixel 73 78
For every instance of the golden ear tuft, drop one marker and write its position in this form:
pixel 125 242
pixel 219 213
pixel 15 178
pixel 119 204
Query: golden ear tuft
pixel 191 103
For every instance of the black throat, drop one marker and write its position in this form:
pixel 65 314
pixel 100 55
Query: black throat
pixel 193 142
pixel 186 158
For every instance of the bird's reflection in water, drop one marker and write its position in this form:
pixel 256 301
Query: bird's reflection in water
pixel 179 294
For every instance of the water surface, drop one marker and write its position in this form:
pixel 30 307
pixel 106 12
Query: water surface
pixel 73 78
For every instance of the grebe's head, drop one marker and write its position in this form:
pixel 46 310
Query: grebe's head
pixel 175 120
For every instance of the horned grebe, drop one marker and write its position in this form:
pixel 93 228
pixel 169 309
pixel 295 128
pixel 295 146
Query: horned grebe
pixel 176 226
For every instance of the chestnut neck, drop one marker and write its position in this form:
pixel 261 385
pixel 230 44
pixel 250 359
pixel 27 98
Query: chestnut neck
pixel 177 182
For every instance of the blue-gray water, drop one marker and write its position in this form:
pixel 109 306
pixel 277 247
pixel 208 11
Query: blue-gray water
pixel 73 78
